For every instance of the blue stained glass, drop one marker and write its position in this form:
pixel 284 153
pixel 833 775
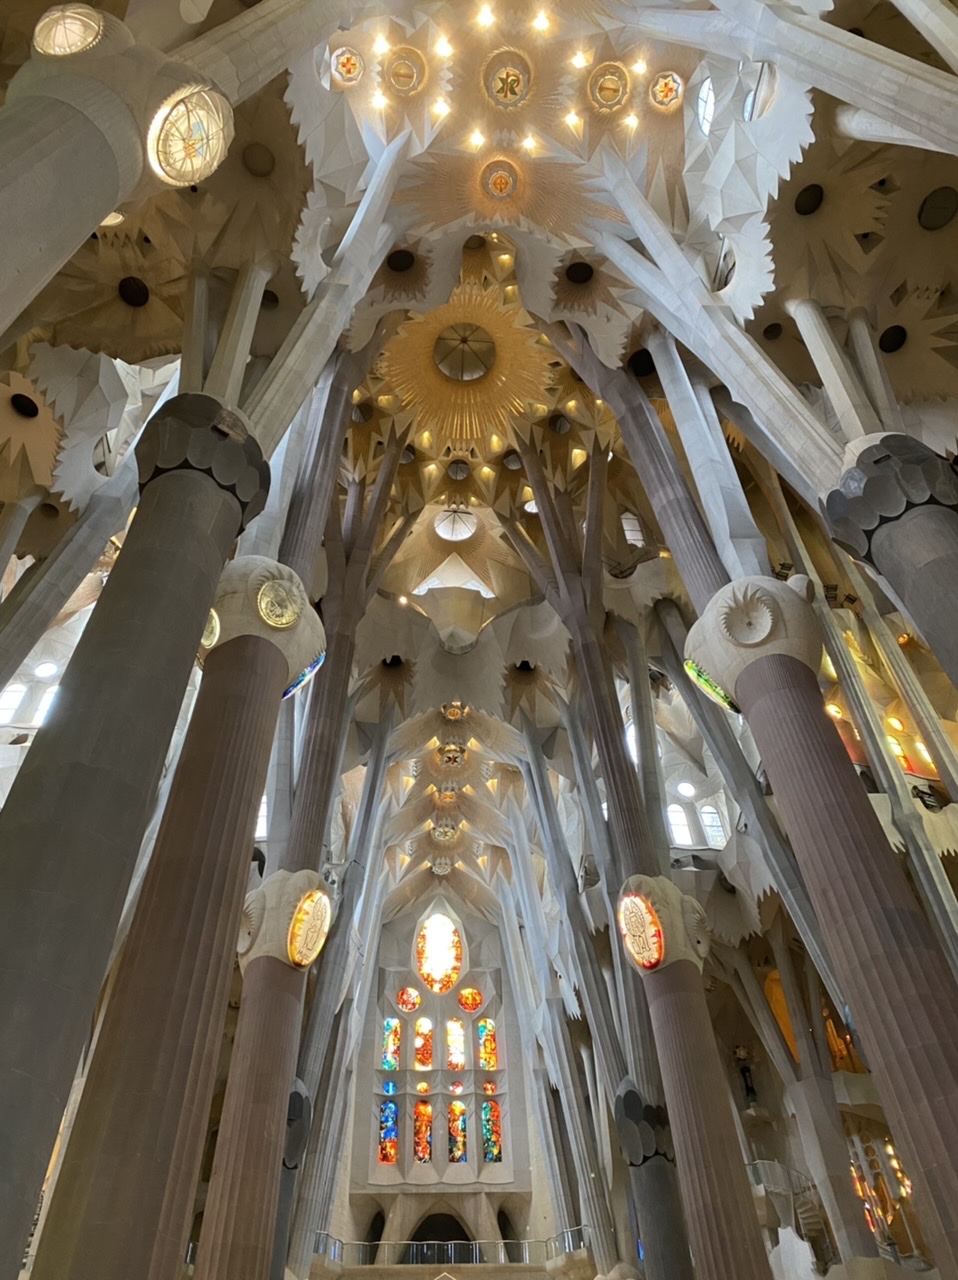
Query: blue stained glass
pixel 389 1086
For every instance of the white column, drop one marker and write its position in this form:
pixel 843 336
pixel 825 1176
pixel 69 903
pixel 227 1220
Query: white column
pixel 937 21
pixel 872 371
pixel 865 126
pixel 225 378
pixel 852 408
pixel 13 517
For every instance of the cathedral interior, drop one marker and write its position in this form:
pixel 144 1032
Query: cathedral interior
pixel 479 640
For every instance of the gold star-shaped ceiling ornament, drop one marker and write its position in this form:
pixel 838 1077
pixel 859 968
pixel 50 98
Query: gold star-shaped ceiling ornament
pixel 501 380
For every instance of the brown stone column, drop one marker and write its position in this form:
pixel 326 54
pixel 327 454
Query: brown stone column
pixel 666 936
pixel 73 821
pixel 124 1199
pixel 902 995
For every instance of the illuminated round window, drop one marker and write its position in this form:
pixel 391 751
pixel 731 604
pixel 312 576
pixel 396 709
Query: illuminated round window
pixel 347 65
pixel 666 90
pixel 470 999
pixel 500 180
pixel 66 29
pixel 464 352
pixel 409 999
pixel 405 71
pixel 456 525
pixel 508 78
pixel 608 86
pixel 189 136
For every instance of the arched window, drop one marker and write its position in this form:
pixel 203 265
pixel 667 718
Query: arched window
pixel 10 699
pixel 455 1045
pixel 423 1044
pixel 488 1049
pixel 713 826
pixel 388 1132
pixel 439 953
pixel 491 1132
pixel 46 702
pixel 458 1153
pixel 391 1035
pixel 679 825
pixel 422 1132
pixel 705 105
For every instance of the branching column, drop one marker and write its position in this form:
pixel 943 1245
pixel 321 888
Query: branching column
pixel 74 818
pixel 124 1198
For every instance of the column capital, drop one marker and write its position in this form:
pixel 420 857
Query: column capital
pixel 886 476
pixel 749 619
pixel 193 432
pixel 660 924
pixel 260 597
pixel 287 918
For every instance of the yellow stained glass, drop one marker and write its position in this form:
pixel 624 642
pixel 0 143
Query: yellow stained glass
pixel 423 1044
pixel 455 1045
pixel 488 1050
pixel 439 953
pixel 470 999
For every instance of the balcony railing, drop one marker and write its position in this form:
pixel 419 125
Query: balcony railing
pixel 448 1253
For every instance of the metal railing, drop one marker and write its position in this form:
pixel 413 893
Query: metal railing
pixel 448 1253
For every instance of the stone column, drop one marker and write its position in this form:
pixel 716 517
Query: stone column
pixel 665 935
pixel 13 518
pixel 285 923
pixel 74 818
pixel 896 507
pixel 125 1194
pixel 840 382
pixel 759 640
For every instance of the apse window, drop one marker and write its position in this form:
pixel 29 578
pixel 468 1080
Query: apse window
pixel 43 708
pixel 679 825
pixel 10 699
pixel 713 826
pixel 262 820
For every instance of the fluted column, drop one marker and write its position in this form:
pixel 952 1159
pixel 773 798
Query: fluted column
pixel 665 934
pixel 896 507
pixel 74 818
pixel 839 380
pixel 759 640
pixel 239 1220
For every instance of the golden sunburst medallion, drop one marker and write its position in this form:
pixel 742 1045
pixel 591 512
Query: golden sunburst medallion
pixel 466 412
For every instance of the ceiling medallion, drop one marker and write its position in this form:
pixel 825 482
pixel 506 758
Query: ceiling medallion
pixel 278 605
pixel 464 352
pixel 405 71
pixel 609 86
pixel 348 65
pixel 666 90
pixel 500 179
pixel 507 78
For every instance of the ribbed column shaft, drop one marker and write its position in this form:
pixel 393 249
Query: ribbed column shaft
pixel 892 971
pixel 123 1203
pixel 719 1212
pixel 239 1221
pixel 73 821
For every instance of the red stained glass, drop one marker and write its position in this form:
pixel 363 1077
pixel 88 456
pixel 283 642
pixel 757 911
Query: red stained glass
pixel 423 1044
pixel 409 999
pixel 422 1132
pixel 470 999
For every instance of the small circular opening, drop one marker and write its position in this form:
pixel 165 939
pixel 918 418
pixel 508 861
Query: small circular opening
pixel 559 424
pixel 809 199
pixel 772 332
pixel 270 300
pixel 258 160
pixel 400 260
pixel 408 455
pixel 938 208
pixel 394 661
pixel 641 364
pixel 525 665
pixel 893 338
pixel 362 412
pixel 458 469
pixel 475 243
pixel 511 461
pixel 50 510
pixel 579 272
pixel 133 291
pixel 25 406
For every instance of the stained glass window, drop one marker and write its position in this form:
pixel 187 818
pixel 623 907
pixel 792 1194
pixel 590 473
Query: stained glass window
pixel 470 999
pixel 423 1044
pixel 457 1133
pixel 391 1034
pixel 455 1045
pixel 389 1087
pixel 388 1132
pixel 409 999
pixel 439 953
pixel 491 1133
pixel 488 1051
pixel 422 1132
pixel 422 1086
pixel 488 1086
pixel 456 1087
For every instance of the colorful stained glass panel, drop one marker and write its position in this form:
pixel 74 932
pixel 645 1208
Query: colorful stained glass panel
pixel 423 1044
pixel 439 953
pixel 388 1132
pixel 488 1050
pixel 422 1132
pixel 409 999
pixel 455 1045
pixel 456 1087
pixel 491 1133
pixel 392 1031
pixel 457 1133
pixel 389 1087
pixel 488 1086
pixel 470 999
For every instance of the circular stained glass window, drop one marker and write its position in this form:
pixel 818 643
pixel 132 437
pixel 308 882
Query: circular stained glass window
pixel 66 29
pixel 464 352
pixel 456 1087
pixel 389 1087
pixel 488 1086
pixel 470 999
pixel 608 86
pixel 405 71
pixel 348 65
pixel 189 136
pixel 666 90
pixel 456 525
pixel 422 1086
pixel 409 999
pixel 507 78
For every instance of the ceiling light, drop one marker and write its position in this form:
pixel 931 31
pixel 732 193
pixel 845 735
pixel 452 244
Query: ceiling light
pixel 580 60
pixel 541 21
pixel 686 789
pixel 896 724
pixel 529 142
pixel 486 17
pixel 380 45
pixel 476 138
pixel 834 710
pixel 631 120
pixel 572 119
pixel 441 107
pixel 379 99
pixel 403 599
pixel 44 670
pixel 639 67
pixel 443 47
pixel 505 259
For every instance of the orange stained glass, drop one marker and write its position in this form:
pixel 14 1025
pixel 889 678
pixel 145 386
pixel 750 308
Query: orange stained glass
pixel 457 1133
pixel 409 999
pixel 455 1045
pixel 456 1087
pixel 422 1086
pixel 423 1044
pixel 439 953
pixel 488 1049
pixel 488 1086
pixel 470 999
pixel 422 1132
